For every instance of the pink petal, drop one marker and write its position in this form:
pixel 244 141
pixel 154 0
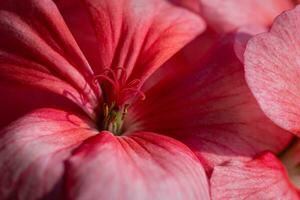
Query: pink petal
pixel 141 166
pixel 272 70
pixel 228 15
pixel 32 152
pixel 209 107
pixel 36 45
pixel 138 35
pixel 261 178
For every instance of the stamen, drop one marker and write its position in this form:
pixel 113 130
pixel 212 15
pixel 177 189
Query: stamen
pixel 123 75
pixel 137 91
pixel 113 83
pixel 134 83
pixel 111 71
pixel 125 110
pixel 105 110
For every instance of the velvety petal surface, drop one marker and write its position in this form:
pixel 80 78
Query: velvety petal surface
pixel 209 107
pixel 228 15
pixel 33 150
pixel 37 49
pixel 141 166
pixel 138 35
pixel 261 178
pixel 272 70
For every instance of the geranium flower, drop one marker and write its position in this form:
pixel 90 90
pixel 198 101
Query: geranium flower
pixel 90 110
pixel 272 72
pixel 67 105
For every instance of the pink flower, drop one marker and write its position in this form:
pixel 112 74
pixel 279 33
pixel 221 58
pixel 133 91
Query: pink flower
pixel 76 124
pixel 272 73
pixel 44 71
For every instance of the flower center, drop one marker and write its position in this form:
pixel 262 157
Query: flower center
pixel 113 118
pixel 118 95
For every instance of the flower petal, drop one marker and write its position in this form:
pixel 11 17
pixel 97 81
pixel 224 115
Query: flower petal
pixel 243 35
pixel 78 21
pixel 18 99
pixel 141 166
pixel 209 107
pixel 35 44
pixel 228 15
pixel 32 152
pixel 261 178
pixel 272 70
pixel 138 35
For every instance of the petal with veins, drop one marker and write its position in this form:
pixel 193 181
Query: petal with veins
pixel 272 70
pixel 138 35
pixel 261 178
pixel 35 42
pixel 210 108
pixel 141 166
pixel 32 152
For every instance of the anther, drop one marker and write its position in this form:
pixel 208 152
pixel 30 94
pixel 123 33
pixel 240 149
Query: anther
pixel 117 96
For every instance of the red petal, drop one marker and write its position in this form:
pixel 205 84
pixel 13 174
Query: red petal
pixel 272 70
pixel 138 35
pixel 79 22
pixel 227 15
pixel 17 100
pixel 209 107
pixel 32 152
pixel 36 45
pixel 141 166
pixel 261 178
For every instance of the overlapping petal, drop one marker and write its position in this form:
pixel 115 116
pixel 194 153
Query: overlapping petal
pixel 261 178
pixel 33 150
pixel 272 70
pixel 141 166
pixel 243 35
pixel 225 16
pixel 209 107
